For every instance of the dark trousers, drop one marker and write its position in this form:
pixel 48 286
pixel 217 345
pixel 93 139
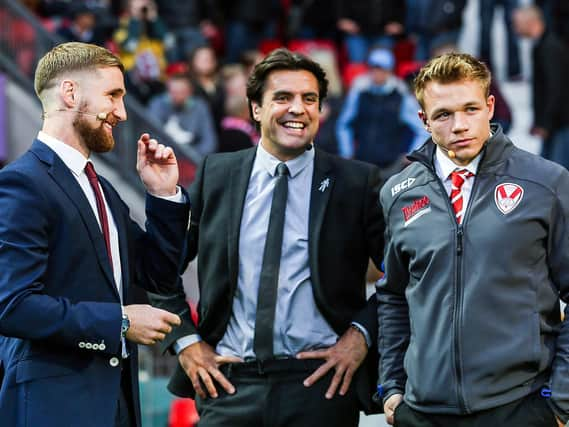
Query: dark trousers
pixel 276 397
pixel 530 411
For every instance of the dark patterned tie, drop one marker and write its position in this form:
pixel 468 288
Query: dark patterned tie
pixel 269 280
pixel 94 181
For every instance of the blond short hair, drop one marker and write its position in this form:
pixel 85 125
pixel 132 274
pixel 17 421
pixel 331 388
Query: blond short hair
pixel 71 57
pixel 451 68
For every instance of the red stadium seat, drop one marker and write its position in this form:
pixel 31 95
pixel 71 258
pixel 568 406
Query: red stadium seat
pixel 183 413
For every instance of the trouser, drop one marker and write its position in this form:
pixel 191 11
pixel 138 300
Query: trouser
pixel 273 395
pixel 530 411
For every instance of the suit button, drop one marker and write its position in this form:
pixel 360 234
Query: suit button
pixel 114 362
pixel 81 344
pixel 102 347
pixel 88 346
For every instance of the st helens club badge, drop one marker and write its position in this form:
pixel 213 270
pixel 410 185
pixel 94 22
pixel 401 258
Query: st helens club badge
pixel 508 196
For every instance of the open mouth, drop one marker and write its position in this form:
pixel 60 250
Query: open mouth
pixel 294 126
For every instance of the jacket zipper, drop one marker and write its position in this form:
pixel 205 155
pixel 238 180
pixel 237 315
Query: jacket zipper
pixel 458 302
pixel 457 320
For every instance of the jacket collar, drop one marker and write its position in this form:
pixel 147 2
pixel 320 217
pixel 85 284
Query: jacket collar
pixel 494 151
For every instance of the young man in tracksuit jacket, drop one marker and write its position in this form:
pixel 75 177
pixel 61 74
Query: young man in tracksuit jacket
pixel 470 330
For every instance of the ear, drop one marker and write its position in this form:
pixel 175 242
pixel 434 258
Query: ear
pixel 68 93
pixel 490 103
pixel 423 118
pixel 256 108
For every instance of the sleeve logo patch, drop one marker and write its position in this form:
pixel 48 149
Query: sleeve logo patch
pixel 508 196
pixel 416 210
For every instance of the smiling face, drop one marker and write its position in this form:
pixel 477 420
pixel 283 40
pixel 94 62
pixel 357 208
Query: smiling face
pixel 289 112
pixel 102 91
pixel 458 117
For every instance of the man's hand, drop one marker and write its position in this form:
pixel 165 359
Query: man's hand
pixel 157 166
pixel 559 422
pixel 389 407
pixel 201 363
pixel 149 324
pixel 345 357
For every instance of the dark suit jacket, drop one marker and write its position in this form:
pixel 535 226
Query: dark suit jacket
pixel 345 230
pixel 60 313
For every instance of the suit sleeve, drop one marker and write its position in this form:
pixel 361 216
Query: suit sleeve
pixel 392 317
pixel 374 228
pixel 25 310
pixel 176 301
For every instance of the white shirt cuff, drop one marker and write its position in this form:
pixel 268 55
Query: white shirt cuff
pixel 182 343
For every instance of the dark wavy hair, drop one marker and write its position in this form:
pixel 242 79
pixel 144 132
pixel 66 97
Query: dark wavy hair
pixel 283 59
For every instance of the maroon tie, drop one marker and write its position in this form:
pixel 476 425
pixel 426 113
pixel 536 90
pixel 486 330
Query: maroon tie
pixel 458 177
pixel 94 181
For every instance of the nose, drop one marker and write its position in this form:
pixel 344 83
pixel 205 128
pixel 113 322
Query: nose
pixel 460 122
pixel 120 111
pixel 296 105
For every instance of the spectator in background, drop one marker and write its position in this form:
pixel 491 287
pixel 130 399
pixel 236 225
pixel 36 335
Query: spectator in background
pixel 311 19
pixel 80 27
pixel 88 22
pixel 487 8
pixel 237 132
pixel 140 38
pixel 191 24
pixel 249 59
pixel 378 115
pixel 247 23
pixel 434 23
pixel 204 72
pixel 550 65
pixel 367 23
pixel 186 118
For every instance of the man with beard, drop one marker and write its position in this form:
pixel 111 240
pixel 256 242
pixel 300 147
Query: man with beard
pixel 69 253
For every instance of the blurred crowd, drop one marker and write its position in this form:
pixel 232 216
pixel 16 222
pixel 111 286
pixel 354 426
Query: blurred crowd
pixel 188 62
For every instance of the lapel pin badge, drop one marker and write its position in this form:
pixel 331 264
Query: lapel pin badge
pixel 324 185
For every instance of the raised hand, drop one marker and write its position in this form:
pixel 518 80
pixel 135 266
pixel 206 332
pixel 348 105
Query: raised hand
pixel 157 166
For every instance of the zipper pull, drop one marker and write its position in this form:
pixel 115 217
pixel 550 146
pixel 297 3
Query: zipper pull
pixel 459 240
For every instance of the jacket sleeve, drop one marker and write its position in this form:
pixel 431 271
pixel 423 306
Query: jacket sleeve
pixel 392 317
pixel 176 302
pixel 558 254
pixel 374 229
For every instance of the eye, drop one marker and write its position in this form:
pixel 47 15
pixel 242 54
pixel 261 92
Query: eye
pixel 281 98
pixel 442 116
pixel 311 99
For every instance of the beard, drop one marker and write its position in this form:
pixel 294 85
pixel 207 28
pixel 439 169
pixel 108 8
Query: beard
pixel 96 139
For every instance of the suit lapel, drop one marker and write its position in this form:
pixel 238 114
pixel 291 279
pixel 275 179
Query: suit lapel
pixel 322 186
pixel 239 182
pixel 64 178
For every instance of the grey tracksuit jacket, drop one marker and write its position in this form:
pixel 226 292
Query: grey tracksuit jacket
pixel 469 315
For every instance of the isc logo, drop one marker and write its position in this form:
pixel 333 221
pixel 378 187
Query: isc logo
pixel 402 186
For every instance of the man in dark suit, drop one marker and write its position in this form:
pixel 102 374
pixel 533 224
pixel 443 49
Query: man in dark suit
pixel 284 325
pixel 69 253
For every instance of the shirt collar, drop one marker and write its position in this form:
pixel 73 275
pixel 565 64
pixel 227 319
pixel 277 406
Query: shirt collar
pixel 71 157
pixel 295 166
pixel 445 166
